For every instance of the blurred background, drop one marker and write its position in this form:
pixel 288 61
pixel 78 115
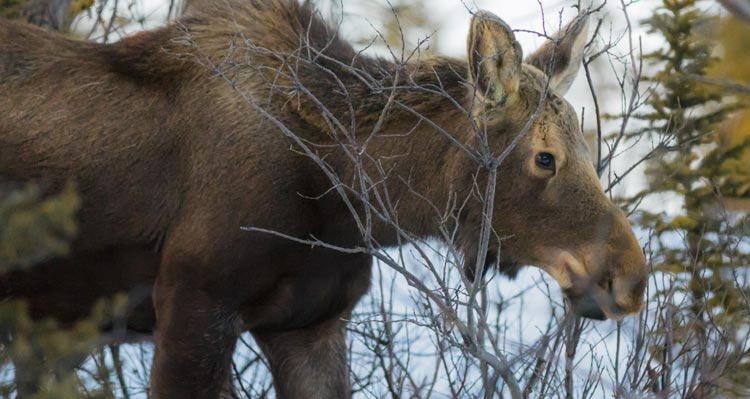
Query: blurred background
pixel 664 102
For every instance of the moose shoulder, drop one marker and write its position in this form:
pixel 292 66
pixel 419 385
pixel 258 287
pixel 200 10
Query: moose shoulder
pixel 175 138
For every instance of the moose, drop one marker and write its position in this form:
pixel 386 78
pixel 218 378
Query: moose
pixel 176 138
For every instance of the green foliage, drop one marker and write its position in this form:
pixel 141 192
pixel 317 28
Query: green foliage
pixel 688 112
pixel 33 228
pixel 79 6
pixel 45 356
pixel 707 243
pixel 734 134
pixel 11 9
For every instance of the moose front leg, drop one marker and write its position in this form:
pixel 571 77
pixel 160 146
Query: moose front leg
pixel 308 363
pixel 195 338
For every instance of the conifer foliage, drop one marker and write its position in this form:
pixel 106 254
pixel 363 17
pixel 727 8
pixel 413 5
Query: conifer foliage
pixel 705 247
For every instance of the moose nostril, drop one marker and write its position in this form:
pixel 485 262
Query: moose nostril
pixel 627 295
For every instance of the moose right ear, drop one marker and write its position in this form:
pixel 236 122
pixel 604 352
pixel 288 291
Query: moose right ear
pixel 494 59
pixel 562 57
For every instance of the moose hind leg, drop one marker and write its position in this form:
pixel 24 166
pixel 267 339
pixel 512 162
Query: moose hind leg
pixel 308 363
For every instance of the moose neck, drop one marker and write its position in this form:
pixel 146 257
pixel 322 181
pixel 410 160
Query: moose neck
pixel 396 124
pixel 407 132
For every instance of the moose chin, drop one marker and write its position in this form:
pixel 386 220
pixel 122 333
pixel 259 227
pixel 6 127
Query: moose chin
pixel 177 137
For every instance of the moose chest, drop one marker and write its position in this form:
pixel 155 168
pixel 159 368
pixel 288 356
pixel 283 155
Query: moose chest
pixel 315 285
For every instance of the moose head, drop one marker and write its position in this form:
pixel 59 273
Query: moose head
pixel 549 200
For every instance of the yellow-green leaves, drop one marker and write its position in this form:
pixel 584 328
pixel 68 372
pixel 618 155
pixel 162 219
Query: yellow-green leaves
pixel 33 228
pixel 78 6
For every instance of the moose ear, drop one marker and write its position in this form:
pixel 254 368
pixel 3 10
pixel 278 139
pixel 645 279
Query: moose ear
pixel 494 58
pixel 561 57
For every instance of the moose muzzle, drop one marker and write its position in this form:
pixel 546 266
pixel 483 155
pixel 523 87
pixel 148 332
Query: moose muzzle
pixel 606 279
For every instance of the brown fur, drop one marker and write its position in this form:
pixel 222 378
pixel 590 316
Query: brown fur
pixel 171 161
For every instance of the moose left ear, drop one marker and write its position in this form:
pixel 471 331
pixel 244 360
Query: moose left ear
pixel 561 58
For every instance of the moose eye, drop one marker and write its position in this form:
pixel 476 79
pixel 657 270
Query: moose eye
pixel 545 161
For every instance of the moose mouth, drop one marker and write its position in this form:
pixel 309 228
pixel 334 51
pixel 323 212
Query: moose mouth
pixel 587 307
pixel 591 302
pixel 595 304
pixel 589 295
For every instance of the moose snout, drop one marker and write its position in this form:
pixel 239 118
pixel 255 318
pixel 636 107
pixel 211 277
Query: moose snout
pixel 628 277
pixel 608 291
pixel 611 298
pixel 606 277
pixel 627 293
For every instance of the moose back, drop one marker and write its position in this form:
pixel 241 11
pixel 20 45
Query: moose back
pixel 241 114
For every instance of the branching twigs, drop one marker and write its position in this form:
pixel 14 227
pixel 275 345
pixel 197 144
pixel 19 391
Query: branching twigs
pixel 372 199
pixel 458 317
pixel 636 66
pixel 466 340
